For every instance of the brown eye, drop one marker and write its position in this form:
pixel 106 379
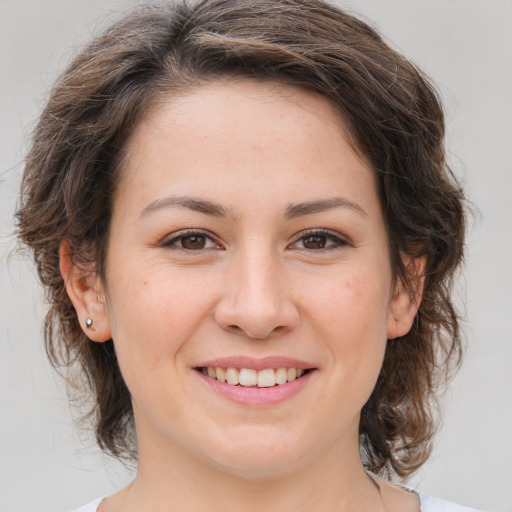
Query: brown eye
pixel 192 242
pixel 314 242
pixel 319 240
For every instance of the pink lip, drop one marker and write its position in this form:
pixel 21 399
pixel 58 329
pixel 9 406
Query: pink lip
pixel 255 364
pixel 254 396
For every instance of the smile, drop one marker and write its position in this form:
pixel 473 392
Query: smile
pixel 249 377
pixel 256 382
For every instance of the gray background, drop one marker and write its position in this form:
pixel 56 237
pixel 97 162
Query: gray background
pixel 45 465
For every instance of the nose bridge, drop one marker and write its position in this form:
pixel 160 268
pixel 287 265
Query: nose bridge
pixel 258 281
pixel 257 302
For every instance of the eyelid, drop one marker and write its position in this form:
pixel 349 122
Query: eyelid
pixel 171 239
pixel 340 240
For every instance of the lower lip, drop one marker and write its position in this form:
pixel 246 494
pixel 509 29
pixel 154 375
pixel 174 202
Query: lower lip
pixel 255 396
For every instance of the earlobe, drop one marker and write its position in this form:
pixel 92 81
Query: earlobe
pixel 406 299
pixel 85 290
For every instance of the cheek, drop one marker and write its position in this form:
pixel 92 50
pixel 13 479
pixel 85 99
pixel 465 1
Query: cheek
pixel 154 312
pixel 350 316
pixel 351 303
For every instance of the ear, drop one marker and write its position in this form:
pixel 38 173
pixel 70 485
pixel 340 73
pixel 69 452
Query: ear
pixel 406 299
pixel 85 290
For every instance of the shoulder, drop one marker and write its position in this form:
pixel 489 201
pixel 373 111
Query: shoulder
pixel 91 507
pixel 431 504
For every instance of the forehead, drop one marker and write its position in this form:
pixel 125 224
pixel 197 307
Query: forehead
pixel 236 135
pixel 219 104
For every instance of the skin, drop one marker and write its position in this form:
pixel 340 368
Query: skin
pixel 258 287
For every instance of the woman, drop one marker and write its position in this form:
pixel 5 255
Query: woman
pixel 247 230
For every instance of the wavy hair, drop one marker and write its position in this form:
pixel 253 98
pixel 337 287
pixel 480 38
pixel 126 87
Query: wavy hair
pixel 394 120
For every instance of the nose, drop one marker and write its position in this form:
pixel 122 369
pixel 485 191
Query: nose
pixel 258 300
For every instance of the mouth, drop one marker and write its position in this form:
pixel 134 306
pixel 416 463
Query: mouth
pixel 251 378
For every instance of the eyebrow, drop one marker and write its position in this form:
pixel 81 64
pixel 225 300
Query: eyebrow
pixel 310 207
pixel 293 210
pixel 191 203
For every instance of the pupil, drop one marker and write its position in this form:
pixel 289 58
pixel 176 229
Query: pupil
pixel 193 242
pixel 315 242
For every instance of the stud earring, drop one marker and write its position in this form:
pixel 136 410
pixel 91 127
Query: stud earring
pixel 88 323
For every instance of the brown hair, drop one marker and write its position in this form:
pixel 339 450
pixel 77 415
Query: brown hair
pixel 393 117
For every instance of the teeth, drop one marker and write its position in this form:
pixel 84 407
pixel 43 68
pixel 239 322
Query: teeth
pixel 232 376
pixel 266 378
pixel 220 374
pixel 281 376
pixel 250 378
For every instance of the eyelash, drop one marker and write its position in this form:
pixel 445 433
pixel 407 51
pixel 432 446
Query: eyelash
pixel 172 242
pixel 324 233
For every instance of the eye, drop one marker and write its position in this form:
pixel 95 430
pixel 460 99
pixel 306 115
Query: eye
pixel 319 240
pixel 191 241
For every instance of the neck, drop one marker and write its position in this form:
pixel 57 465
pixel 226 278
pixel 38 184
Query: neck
pixel 336 480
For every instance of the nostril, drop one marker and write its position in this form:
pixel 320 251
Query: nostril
pixel 256 332
pixel 235 329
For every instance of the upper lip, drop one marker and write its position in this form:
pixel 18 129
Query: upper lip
pixel 264 363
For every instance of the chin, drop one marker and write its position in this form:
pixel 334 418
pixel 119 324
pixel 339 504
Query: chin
pixel 258 469
pixel 269 458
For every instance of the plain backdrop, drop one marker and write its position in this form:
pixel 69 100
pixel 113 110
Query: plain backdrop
pixel 465 45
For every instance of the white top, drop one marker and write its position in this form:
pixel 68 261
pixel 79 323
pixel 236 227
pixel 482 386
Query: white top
pixel 427 504
pixel 431 504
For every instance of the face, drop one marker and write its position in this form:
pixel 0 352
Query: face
pixel 247 234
